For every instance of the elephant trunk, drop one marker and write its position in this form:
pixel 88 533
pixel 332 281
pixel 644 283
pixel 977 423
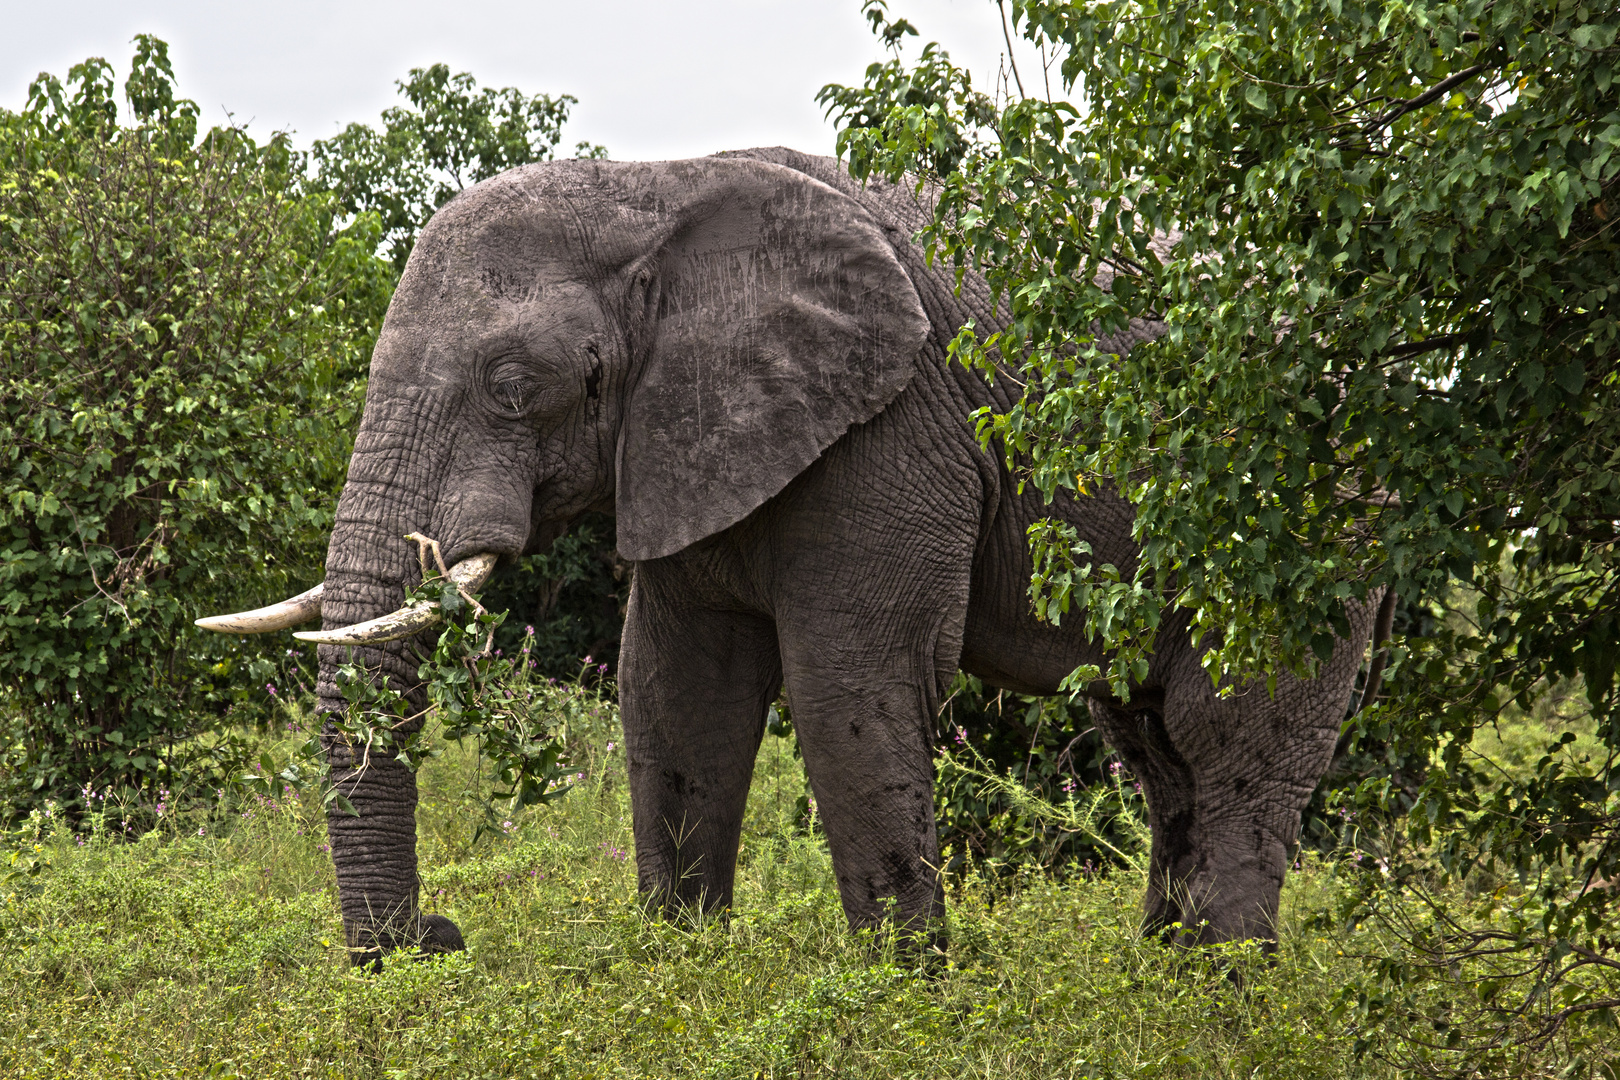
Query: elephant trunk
pixel 369 568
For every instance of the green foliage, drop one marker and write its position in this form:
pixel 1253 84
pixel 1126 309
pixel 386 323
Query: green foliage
pixel 454 134
pixel 520 722
pixel 1023 782
pixel 531 732
pixel 572 598
pixel 936 99
pixel 1399 411
pixel 1381 241
pixel 182 339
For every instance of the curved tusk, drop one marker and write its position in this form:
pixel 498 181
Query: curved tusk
pixel 470 574
pixel 290 612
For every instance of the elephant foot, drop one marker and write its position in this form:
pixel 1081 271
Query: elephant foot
pixel 429 935
pixel 438 935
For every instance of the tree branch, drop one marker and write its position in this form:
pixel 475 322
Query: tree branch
pixel 1439 90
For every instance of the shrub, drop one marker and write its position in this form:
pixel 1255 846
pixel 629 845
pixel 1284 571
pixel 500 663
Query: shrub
pixel 182 337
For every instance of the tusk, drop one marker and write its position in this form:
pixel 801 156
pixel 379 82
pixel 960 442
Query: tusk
pixel 290 612
pixel 469 574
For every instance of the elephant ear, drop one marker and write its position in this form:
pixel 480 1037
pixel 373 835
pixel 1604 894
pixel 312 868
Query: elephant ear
pixel 782 318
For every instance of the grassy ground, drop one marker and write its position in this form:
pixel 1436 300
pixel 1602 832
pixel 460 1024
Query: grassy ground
pixel 220 955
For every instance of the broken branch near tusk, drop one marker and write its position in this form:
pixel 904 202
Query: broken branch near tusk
pixel 290 612
pixel 468 575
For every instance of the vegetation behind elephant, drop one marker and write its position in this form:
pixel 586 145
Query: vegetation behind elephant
pixel 744 359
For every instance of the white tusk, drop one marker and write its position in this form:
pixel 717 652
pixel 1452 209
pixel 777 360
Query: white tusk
pixel 470 574
pixel 290 612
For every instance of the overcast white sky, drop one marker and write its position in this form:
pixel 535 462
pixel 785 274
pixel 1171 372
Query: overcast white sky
pixel 655 78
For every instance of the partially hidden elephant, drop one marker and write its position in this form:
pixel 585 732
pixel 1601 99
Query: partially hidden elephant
pixel 743 358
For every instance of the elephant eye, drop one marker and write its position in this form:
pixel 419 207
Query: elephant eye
pixel 512 384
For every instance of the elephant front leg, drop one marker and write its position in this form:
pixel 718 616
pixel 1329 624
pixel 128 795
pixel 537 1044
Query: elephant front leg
pixel 694 687
pixel 863 720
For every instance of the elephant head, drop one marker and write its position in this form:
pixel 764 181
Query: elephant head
pixel 672 341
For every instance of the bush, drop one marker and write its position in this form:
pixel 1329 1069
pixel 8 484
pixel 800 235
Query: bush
pixel 182 340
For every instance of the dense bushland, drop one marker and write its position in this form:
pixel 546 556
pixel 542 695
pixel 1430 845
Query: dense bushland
pixel 183 337
pixel 161 411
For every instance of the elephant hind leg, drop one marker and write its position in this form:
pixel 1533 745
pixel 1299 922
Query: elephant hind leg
pixel 695 684
pixel 1225 780
pixel 1171 790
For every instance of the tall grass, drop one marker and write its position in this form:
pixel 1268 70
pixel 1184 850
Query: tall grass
pixel 213 948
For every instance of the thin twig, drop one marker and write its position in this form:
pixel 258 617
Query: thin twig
pixel 1006 35
pixel 425 544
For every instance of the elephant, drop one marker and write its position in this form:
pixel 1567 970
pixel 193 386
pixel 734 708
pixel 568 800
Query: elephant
pixel 743 359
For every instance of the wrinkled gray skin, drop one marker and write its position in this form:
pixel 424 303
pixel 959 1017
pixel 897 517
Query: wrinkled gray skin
pixel 743 357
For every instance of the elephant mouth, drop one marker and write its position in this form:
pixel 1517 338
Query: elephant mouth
pixel 469 575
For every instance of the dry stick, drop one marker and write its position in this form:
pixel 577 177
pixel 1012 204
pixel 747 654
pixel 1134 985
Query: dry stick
pixel 1007 36
pixel 423 546
pixel 1381 628
pixel 1383 622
